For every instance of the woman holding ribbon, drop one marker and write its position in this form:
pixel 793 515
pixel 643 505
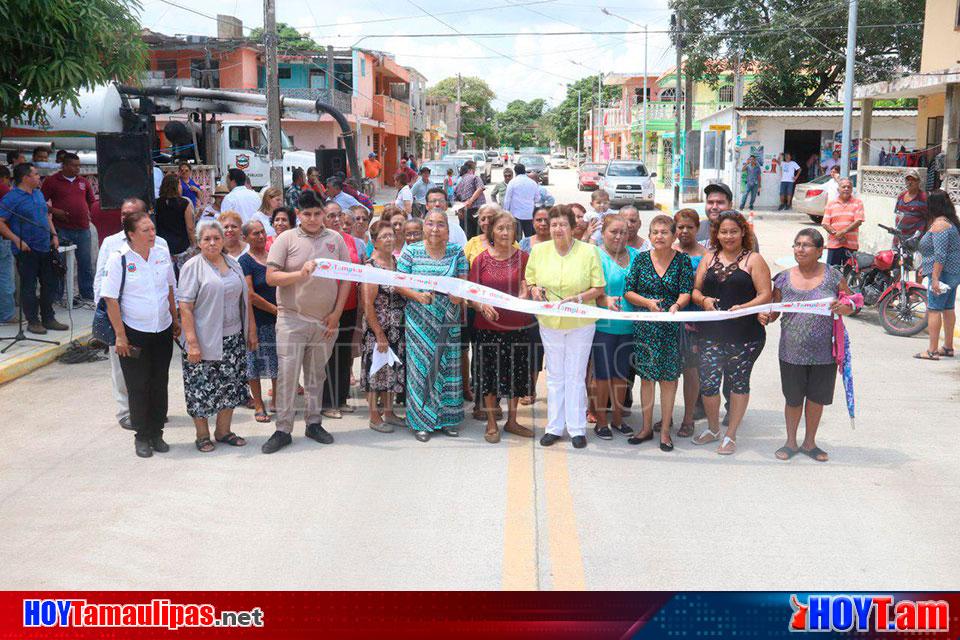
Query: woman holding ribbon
pixel 660 280
pixel 613 340
pixel 808 371
pixel 541 229
pixel 383 307
pixel 434 397
pixel 731 277
pixel 562 271
pixel 503 349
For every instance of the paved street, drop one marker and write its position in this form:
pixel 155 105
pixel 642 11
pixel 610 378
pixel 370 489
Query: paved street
pixel 383 511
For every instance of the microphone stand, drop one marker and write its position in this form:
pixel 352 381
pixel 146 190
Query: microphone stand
pixel 21 336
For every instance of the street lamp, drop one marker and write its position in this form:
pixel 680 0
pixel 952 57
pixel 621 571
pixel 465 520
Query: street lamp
pixel 598 121
pixel 606 11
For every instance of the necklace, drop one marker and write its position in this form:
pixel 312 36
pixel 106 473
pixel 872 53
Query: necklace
pixel 619 258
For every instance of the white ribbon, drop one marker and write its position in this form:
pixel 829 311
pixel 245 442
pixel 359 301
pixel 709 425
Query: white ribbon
pixel 337 270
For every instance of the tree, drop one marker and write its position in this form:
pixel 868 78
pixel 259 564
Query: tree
pixel 62 47
pixel 564 116
pixel 522 124
pixel 288 39
pixel 476 114
pixel 798 55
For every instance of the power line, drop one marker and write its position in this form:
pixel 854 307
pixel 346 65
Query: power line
pixel 438 13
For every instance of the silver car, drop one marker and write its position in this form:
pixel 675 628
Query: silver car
pixel 484 169
pixel 537 163
pixel 628 182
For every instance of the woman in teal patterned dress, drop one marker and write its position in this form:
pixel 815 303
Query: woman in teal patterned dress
pixel 434 386
pixel 659 280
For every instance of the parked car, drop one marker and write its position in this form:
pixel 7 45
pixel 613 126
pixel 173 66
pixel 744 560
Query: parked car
pixel 558 161
pixel 628 182
pixel 438 168
pixel 535 162
pixel 811 197
pixel 588 176
pixel 480 157
pixel 494 158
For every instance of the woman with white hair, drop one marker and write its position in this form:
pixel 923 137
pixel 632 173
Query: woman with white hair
pixel 218 329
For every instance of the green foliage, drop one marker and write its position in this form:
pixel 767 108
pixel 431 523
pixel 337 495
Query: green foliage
pixel 476 114
pixel 564 116
pixel 523 124
pixel 53 49
pixel 289 39
pixel 797 51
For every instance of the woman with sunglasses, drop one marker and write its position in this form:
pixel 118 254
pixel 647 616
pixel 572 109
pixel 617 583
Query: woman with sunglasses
pixel 730 277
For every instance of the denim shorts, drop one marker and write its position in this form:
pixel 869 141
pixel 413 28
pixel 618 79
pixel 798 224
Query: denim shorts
pixel 945 301
pixel 786 188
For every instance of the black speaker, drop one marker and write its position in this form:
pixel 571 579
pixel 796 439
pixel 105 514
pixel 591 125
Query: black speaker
pixel 124 168
pixel 331 161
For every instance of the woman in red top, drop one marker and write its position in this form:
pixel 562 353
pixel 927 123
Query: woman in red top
pixel 503 342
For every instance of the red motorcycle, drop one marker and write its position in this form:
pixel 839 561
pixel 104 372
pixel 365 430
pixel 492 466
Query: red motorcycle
pixel 884 280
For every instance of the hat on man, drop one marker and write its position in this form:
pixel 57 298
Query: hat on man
pixel 371 155
pixel 221 191
pixel 911 173
pixel 718 186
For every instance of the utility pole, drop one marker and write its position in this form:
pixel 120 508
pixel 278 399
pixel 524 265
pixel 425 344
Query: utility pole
pixel 458 111
pixel 735 128
pixel 600 115
pixel 678 26
pixel 274 148
pixel 848 91
pixel 578 124
pixel 643 156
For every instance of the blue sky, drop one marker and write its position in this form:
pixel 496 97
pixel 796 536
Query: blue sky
pixel 535 66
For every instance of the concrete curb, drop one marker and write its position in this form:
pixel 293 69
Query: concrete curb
pixel 28 362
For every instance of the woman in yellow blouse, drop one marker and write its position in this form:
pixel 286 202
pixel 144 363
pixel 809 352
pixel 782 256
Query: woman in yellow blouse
pixel 479 243
pixel 565 270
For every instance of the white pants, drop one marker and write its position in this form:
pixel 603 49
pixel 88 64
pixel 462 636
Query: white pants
pixel 566 352
pixel 119 386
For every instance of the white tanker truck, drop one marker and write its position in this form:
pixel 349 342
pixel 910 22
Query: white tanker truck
pixel 192 128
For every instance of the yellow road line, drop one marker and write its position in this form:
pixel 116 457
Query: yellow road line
pixel 520 526
pixel 566 561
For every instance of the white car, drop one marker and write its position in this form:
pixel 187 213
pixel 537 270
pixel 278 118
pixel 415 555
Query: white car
pixel 628 182
pixel 484 168
pixel 558 161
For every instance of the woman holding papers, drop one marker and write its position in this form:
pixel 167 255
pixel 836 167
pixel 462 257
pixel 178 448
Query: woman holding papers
pixel 503 346
pixel 382 332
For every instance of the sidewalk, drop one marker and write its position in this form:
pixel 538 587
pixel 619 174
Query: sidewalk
pixel 27 356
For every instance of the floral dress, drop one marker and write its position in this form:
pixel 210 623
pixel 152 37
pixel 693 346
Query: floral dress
pixel 657 352
pixel 389 306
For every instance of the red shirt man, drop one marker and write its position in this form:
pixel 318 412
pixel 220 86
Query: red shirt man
pixel 70 195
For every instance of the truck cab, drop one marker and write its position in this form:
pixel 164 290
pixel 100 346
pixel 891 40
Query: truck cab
pixel 243 145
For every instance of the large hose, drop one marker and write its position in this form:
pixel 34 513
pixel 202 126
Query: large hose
pixel 258 99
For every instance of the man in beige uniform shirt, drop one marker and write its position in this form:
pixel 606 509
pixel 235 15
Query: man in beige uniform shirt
pixel 308 317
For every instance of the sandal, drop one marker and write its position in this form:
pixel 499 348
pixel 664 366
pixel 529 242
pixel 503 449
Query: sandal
pixel 727 447
pixel 232 439
pixel 479 414
pixel 943 352
pixel 493 437
pixel 927 355
pixel 686 430
pixel 528 400
pixel 204 445
pixel 706 437
pixel 261 416
pixel 816 453
pixel 785 453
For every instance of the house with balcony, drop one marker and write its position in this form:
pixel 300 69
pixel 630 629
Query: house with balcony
pixel 937 90
pixel 418 113
pixel 368 87
pixel 439 137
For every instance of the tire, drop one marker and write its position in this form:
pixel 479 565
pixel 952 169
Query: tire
pixel 816 219
pixel 890 315
pixel 850 277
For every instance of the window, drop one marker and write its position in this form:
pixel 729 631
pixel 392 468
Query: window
pixel 245 138
pixel 667 94
pixel 284 73
pixel 713 151
pixel 202 75
pixel 638 95
pixel 169 68
pixel 363 66
pixel 934 131
pixel 725 94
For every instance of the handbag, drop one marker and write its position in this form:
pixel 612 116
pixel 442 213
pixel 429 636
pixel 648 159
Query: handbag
pixel 102 328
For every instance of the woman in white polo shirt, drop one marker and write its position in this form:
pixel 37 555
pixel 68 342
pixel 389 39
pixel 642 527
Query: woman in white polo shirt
pixel 138 288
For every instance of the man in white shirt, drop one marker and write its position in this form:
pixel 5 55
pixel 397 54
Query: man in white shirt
pixel 522 193
pixel 157 179
pixel 789 170
pixel 241 199
pixel 111 245
pixel 336 193
pixel 437 199
pixel 831 162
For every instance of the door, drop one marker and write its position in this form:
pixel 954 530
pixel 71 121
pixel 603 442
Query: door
pixel 246 149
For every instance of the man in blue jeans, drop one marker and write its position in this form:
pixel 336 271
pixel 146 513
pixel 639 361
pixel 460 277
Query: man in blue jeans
pixel 71 196
pixel 753 171
pixel 7 285
pixel 24 221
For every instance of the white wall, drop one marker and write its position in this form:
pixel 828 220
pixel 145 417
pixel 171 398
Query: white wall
pixel 769 131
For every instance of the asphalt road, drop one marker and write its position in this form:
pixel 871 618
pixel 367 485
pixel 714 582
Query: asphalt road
pixel 383 511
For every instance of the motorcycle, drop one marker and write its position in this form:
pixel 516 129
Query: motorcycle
pixel 884 280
